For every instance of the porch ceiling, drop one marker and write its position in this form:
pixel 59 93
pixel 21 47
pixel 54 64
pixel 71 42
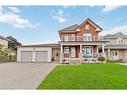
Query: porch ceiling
pixel 119 46
pixel 83 43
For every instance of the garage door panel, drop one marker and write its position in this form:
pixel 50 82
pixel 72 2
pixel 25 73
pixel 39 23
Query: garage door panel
pixel 41 56
pixel 26 56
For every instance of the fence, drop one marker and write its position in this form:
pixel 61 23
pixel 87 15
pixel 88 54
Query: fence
pixel 7 58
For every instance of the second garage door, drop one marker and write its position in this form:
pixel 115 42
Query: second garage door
pixel 41 56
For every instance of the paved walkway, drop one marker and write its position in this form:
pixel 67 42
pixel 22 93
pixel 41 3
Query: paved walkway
pixel 122 64
pixel 23 75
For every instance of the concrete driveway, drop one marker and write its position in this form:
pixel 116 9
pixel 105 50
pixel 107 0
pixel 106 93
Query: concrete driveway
pixel 23 75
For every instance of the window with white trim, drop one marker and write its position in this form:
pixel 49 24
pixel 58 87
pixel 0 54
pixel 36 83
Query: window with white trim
pixel 120 41
pixel 66 37
pixel 66 49
pixel 87 37
pixel 87 26
pixel 72 37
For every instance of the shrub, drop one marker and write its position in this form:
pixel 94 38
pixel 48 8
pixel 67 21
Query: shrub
pixel 101 58
pixel 52 59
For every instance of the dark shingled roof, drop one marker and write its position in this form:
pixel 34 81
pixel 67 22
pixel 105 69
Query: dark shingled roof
pixel 115 35
pixel 75 26
pixel 70 28
pixel 116 46
pixel 109 36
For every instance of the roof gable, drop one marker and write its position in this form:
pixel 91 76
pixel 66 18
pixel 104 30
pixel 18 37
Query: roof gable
pixel 120 35
pixel 75 27
pixel 91 23
pixel 117 35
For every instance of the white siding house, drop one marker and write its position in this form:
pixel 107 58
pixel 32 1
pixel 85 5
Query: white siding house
pixel 34 54
pixel 3 41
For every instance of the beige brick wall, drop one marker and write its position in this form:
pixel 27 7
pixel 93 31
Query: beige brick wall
pixel 122 54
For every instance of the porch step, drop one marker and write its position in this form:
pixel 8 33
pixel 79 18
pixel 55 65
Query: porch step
pixel 75 62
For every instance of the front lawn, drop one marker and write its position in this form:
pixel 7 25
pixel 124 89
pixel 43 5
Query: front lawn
pixel 86 76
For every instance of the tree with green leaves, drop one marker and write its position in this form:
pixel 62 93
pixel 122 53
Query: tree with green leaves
pixel 13 43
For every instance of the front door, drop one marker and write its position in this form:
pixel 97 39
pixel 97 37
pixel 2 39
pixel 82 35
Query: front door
pixel 115 55
pixel 56 54
pixel 73 52
pixel 87 51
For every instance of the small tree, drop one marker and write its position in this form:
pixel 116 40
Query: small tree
pixel 101 58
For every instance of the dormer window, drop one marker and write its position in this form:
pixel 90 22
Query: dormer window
pixel 120 41
pixel 87 26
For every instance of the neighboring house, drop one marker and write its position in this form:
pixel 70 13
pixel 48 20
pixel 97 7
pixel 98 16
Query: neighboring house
pixel 116 48
pixel 78 43
pixel 4 41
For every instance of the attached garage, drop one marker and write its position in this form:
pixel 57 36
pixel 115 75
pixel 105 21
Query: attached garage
pixel 34 54
pixel 38 53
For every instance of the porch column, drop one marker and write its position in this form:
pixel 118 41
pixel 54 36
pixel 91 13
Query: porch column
pixel 61 53
pixel 109 54
pixel 103 50
pixel 97 50
pixel 80 48
pixel 80 53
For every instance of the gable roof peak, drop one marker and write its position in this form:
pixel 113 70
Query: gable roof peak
pixel 118 33
pixel 98 28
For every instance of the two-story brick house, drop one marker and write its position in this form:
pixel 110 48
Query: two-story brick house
pixel 78 43
pixel 116 48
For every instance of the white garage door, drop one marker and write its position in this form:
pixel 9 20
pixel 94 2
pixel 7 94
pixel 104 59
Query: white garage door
pixel 26 56
pixel 41 56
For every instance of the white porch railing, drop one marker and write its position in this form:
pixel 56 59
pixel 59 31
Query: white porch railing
pixel 81 38
pixel 66 58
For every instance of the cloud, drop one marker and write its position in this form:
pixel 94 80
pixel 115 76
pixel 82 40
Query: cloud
pixel 109 8
pixel 59 15
pixel 14 9
pixel 1 9
pixel 115 30
pixel 60 19
pixel 60 12
pixel 16 20
pixel 69 7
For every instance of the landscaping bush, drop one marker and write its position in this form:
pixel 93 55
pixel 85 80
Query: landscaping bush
pixel 101 58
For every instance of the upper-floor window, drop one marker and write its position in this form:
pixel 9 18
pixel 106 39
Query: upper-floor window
pixel 66 37
pixel 87 37
pixel 109 41
pixel 87 26
pixel 72 37
pixel 120 41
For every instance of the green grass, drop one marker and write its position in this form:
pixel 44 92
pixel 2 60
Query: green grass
pixel 86 76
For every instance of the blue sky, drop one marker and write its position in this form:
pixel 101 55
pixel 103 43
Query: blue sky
pixel 40 24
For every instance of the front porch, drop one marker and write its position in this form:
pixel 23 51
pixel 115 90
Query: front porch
pixel 81 53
